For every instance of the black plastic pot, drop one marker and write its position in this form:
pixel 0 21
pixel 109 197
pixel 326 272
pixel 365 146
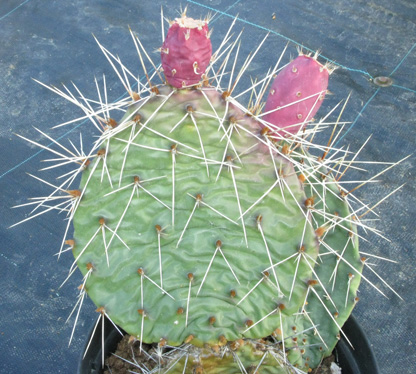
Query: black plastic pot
pixel 359 360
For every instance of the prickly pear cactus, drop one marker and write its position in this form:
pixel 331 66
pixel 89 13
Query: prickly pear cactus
pixel 203 224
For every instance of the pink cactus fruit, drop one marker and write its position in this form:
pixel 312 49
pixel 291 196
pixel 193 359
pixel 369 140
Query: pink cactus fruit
pixel 296 95
pixel 186 51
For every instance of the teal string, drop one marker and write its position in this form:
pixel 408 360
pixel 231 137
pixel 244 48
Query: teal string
pixel 358 116
pixel 281 36
pixel 13 10
pixel 375 93
pixel 221 13
pixel 403 88
pixel 404 58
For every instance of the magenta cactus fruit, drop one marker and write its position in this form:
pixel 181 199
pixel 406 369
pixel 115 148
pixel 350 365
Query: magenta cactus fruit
pixel 296 95
pixel 186 52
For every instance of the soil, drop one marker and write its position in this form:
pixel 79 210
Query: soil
pixel 128 353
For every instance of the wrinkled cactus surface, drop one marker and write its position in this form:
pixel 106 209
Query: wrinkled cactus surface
pixel 212 234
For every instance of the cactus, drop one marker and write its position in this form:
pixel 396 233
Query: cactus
pixel 186 52
pixel 204 225
pixel 296 95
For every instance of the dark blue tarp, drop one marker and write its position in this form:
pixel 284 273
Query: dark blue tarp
pixel 51 41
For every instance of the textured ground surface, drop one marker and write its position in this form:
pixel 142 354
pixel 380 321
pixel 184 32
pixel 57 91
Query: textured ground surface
pixel 52 41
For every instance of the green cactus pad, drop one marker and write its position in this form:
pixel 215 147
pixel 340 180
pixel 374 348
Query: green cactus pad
pixel 200 226
pixel 205 210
